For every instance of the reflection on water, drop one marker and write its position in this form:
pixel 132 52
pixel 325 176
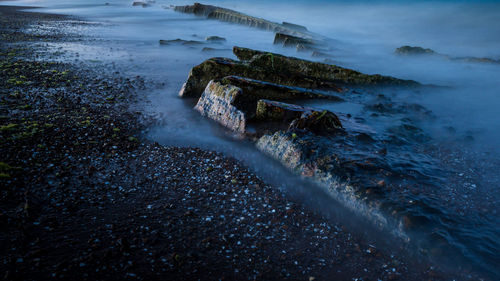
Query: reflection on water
pixel 446 138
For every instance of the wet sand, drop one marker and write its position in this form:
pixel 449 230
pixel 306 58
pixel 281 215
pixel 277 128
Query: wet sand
pixel 84 196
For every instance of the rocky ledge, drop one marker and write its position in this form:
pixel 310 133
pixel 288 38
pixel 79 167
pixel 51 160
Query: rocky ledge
pixel 283 70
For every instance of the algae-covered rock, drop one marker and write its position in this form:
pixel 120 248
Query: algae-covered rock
pixel 268 90
pixel 409 50
pixel 315 70
pixel 268 110
pixel 303 118
pixel 217 68
pixel 218 102
pixel 318 122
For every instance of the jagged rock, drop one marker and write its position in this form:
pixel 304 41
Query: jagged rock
pixel 315 70
pixel 295 26
pixel 215 39
pixel 216 68
pixel 409 50
pixel 180 42
pixel 218 102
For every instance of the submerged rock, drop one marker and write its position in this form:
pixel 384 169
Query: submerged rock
pixel 409 50
pixel 416 51
pixel 180 42
pixel 215 39
pixel 141 3
pixel 292 41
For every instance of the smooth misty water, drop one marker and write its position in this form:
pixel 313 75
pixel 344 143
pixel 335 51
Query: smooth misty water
pixel 458 166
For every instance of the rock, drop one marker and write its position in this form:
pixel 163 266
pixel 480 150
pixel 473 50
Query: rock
pixel 303 118
pixel 218 102
pixel 144 4
pixel 215 39
pixel 197 9
pixel 409 50
pixel 233 101
pixel 180 42
pixel 217 68
pixel 228 15
pixel 208 49
pixel 278 111
pixel 318 122
pixel 291 41
pixel 295 26
pixel 316 70
pixel 268 90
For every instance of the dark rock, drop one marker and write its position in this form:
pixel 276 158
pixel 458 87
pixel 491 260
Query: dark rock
pixel 180 42
pixel 267 90
pixel 215 39
pixel 217 68
pixel 228 15
pixel 291 41
pixel 409 50
pixel 303 118
pixel 316 70
pixel 233 101
pixel 209 49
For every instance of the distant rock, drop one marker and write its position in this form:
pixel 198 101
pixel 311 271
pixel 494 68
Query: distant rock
pixel 215 39
pixel 409 50
pixel 181 42
pixel 144 4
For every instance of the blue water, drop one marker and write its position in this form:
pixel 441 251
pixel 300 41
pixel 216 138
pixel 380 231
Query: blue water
pixel 462 156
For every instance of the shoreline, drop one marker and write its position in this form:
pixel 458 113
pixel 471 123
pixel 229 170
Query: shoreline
pixel 86 197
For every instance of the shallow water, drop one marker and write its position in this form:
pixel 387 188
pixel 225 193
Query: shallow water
pixel 455 161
